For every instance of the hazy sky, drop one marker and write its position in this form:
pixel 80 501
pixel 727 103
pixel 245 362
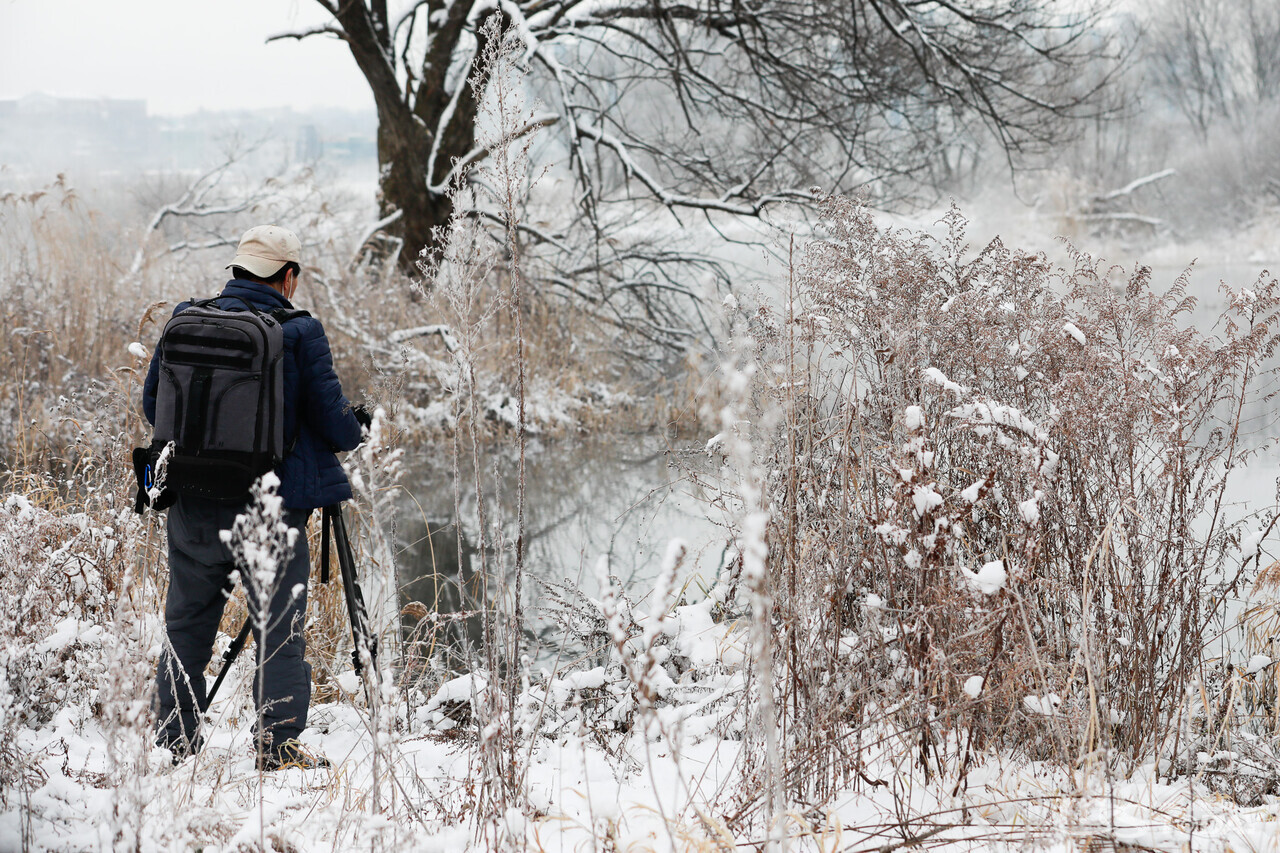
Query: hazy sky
pixel 180 55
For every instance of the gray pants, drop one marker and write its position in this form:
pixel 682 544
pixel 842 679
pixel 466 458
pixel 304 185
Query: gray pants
pixel 200 566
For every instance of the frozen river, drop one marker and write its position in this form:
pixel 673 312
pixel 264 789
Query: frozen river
pixel 624 497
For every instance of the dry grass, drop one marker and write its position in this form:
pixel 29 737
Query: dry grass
pixel 71 307
pixel 942 411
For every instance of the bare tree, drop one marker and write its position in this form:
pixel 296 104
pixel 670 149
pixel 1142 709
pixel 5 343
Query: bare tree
pixel 1216 59
pixel 210 211
pixel 715 105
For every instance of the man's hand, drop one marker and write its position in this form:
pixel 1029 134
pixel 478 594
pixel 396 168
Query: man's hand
pixel 363 416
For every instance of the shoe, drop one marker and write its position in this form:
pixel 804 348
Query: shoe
pixel 291 753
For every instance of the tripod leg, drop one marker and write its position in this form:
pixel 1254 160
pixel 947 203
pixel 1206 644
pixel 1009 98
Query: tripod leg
pixel 360 632
pixel 228 658
pixel 325 525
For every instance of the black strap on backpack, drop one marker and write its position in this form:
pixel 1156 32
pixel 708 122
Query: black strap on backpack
pixel 284 315
pixel 197 406
pixel 202 303
pixel 280 315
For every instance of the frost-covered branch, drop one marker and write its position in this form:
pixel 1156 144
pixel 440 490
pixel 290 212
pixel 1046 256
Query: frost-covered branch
pixel 203 200
pixel 299 35
pixel 1136 184
pixel 371 232
pixel 722 109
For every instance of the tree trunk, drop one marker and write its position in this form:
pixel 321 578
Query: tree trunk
pixel 404 147
pixel 405 133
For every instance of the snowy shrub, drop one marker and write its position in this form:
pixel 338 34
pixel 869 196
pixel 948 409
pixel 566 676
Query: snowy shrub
pixel 997 498
pixel 54 615
pixel 73 648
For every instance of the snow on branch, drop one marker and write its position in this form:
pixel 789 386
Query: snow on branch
pixel 299 35
pixel 369 233
pixel 190 246
pixel 1135 184
pixel 670 199
pixel 1153 221
pixel 444 332
pixel 985 414
pixel 193 204
pixel 535 122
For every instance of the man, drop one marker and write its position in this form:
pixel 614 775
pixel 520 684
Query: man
pixel 318 421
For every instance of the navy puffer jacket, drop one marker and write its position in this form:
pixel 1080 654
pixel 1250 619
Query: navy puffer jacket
pixel 315 410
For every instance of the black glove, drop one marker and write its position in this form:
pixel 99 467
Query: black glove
pixel 363 416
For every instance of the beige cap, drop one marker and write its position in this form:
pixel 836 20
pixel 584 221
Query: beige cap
pixel 264 249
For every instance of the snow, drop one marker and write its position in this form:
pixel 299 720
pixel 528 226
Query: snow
pixel 578 793
pixel 1073 331
pixel 913 419
pixel 1029 509
pixel 1049 467
pixel 138 350
pixel 67 632
pixel 1046 705
pixel 970 494
pixel 892 533
pixel 926 499
pixel 988 413
pixel 591 679
pixel 348 682
pixel 937 377
pixel 715 443
pixel 696 635
pixel 989 579
pixel 459 689
pixel 1257 664
pixel 1249 545
pixel 642 780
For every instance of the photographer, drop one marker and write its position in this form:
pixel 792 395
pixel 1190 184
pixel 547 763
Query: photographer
pixel 318 420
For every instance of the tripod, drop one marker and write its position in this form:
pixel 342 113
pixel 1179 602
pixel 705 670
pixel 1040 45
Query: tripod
pixel 361 636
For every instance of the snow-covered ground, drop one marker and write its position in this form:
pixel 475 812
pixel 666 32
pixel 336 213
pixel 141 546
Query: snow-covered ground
pixel 592 766
pixel 670 785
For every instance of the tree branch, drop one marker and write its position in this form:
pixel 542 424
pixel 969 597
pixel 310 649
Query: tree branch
pixel 1136 184
pixel 323 29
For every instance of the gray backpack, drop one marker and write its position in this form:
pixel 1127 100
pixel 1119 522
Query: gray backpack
pixel 221 398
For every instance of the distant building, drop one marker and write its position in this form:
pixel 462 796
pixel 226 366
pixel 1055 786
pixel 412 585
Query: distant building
pixel 42 131
pixel 41 135
pixel 308 147
pixel 353 149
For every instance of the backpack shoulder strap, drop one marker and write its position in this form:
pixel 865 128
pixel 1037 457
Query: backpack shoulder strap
pixel 205 303
pixel 284 315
